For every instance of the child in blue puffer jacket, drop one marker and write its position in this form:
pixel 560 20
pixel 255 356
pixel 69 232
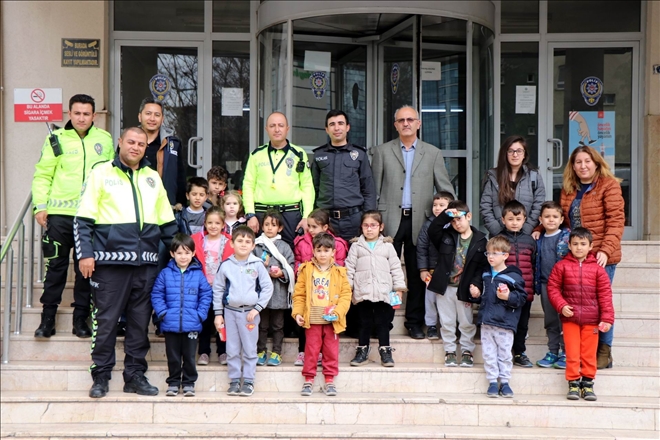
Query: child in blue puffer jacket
pixel 181 298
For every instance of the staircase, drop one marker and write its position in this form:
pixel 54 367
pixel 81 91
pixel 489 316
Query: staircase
pixel 44 387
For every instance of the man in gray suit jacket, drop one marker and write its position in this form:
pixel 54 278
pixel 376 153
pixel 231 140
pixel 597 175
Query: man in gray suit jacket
pixel 406 171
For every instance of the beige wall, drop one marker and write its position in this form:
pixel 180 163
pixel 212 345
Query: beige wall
pixel 31 35
pixel 652 125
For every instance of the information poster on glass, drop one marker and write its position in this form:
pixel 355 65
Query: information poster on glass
pixel 594 129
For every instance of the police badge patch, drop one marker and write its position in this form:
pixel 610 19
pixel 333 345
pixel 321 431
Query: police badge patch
pixel 394 78
pixel 591 89
pixel 289 162
pixel 151 182
pixel 354 154
pixel 160 87
pixel 98 148
pixel 319 84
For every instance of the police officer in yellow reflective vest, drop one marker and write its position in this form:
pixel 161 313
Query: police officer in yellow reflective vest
pixel 67 157
pixel 124 213
pixel 277 176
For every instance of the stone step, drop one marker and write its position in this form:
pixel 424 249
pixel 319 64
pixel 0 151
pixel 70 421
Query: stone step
pixel 640 251
pixel 628 325
pixel 236 431
pixel 371 378
pixel 631 413
pixel 637 275
pixel 633 352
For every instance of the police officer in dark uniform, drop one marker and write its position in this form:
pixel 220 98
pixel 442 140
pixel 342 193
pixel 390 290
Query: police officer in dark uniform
pixel 342 178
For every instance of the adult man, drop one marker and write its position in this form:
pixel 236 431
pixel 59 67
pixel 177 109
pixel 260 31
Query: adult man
pixel 405 172
pixel 58 177
pixel 277 176
pixel 124 213
pixel 164 151
pixel 342 178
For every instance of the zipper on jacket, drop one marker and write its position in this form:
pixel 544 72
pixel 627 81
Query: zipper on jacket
pixel 181 308
pixel 131 173
pixel 82 141
pixel 581 292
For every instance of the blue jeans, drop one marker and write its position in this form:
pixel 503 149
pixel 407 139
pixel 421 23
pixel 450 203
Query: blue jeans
pixel 608 337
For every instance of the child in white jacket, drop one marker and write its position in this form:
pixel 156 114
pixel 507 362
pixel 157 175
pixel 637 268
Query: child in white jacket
pixel 374 270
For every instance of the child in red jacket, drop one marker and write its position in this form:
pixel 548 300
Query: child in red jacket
pixel 579 289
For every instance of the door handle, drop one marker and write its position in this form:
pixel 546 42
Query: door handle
pixel 556 143
pixel 191 162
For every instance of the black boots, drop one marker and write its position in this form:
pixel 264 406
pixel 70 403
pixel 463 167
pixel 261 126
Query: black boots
pixel 100 387
pixel 80 327
pixel 47 327
pixel 573 390
pixel 361 356
pixel 587 390
pixel 140 385
pixel 386 356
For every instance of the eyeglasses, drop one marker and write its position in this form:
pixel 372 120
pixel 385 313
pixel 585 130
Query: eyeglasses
pixel 370 225
pixel 517 152
pixel 494 254
pixel 404 120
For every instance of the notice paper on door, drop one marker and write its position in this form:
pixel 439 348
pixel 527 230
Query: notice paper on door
pixel 317 61
pixel 525 100
pixel 232 101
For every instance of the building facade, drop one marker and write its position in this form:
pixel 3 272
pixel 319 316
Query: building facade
pixel 477 71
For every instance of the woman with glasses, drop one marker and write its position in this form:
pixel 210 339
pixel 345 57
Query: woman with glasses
pixel 512 179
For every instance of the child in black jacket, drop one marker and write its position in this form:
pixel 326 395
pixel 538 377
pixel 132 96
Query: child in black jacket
pixel 461 261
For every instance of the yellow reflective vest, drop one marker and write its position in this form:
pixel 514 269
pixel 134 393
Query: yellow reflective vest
pixel 288 184
pixel 58 180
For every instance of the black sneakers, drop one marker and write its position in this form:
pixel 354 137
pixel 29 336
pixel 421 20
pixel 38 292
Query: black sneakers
pixel 47 327
pixel 432 333
pixel 140 385
pixel 587 390
pixel 361 356
pixel 386 359
pixel 522 360
pixel 573 390
pixel 99 388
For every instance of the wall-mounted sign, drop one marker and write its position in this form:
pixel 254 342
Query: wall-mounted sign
pixel 160 86
pixel 525 100
pixel 431 70
pixel 591 89
pixel 37 105
pixel 394 78
pixel 80 52
pixel 594 129
pixel 319 83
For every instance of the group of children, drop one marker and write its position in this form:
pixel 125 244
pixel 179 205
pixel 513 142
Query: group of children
pixel 256 280
pixel 501 275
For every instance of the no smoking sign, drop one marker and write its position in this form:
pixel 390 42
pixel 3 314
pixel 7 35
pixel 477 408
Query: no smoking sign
pixel 37 105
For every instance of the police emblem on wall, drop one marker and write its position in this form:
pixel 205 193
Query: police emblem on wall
pixel 354 154
pixel 319 84
pixel 394 78
pixel 98 148
pixel 160 87
pixel 591 89
pixel 151 182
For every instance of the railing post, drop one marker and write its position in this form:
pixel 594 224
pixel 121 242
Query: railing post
pixel 29 287
pixel 20 264
pixel 9 262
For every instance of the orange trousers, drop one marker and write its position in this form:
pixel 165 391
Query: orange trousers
pixel 581 343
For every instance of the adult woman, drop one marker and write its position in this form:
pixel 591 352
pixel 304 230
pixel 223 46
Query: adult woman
pixel 591 197
pixel 512 179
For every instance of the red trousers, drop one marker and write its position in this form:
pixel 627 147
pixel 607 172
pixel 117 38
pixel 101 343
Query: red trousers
pixel 581 343
pixel 321 338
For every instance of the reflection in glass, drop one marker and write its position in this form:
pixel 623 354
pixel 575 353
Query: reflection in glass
pixel 614 67
pixel 162 16
pixel 520 17
pixel 456 168
pixel 443 100
pixel 397 78
pixel 231 16
pixel 343 88
pixel 272 75
pixel 231 134
pixel 594 16
pixel 519 67
pixel 180 65
pixel 482 106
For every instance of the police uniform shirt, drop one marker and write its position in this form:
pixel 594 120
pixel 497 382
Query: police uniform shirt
pixel 278 177
pixel 342 178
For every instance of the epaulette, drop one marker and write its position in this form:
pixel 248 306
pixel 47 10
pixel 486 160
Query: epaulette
pixel 259 148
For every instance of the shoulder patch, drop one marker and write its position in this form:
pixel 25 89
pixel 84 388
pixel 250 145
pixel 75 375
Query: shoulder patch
pixel 259 149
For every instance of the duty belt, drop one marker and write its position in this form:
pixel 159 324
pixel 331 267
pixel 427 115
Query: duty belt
pixel 260 207
pixel 341 213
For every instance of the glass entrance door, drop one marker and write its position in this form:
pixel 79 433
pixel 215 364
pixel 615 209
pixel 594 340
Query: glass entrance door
pixel 169 70
pixel 592 91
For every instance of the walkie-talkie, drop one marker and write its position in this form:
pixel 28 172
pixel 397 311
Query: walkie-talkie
pixel 54 142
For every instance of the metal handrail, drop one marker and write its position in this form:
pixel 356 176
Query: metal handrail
pixel 7 250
